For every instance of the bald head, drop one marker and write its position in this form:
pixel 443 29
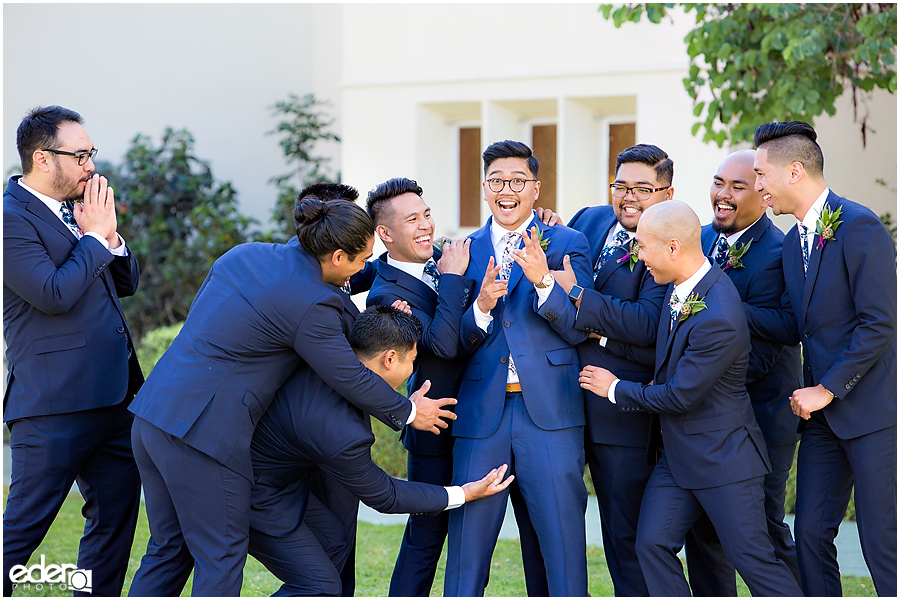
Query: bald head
pixel 669 238
pixel 742 159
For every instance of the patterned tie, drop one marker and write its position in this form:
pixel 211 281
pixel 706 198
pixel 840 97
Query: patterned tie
pixel 433 275
pixel 506 260
pixel 722 252
pixel 620 240
pixel 69 219
pixel 804 245
pixel 346 287
pixel 674 311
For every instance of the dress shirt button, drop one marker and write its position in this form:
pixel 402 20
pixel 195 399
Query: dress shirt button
pixel 503 359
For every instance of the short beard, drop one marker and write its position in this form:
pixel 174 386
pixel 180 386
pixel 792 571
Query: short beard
pixel 724 229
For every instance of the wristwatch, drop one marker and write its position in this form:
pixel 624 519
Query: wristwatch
pixel 575 293
pixel 545 282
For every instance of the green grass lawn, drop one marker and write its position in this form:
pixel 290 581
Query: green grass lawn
pixel 377 547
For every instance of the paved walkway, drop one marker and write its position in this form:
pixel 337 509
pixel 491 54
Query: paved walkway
pixel 849 553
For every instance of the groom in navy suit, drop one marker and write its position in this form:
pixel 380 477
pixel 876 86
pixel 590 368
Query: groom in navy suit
pixel 713 455
pixel 72 369
pixel 746 245
pixel 621 311
pixel 840 298
pixel 519 401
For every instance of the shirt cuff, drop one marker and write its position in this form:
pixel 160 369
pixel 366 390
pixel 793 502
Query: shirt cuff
pixel 543 293
pixel 602 341
pixel 122 249
pixel 412 413
pixel 612 391
pixel 99 238
pixel 456 497
pixel 482 320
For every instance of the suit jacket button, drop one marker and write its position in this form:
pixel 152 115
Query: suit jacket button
pixel 807 335
pixel 120 329
pixel 503 359
pixel 506 323
pixel 847 386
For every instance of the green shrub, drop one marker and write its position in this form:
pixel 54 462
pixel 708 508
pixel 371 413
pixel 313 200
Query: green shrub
pixel 154 344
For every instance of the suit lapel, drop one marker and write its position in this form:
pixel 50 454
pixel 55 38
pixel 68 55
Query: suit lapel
pixel 708 241
pixel 480 252
pixel 40 210
pixel 701 289
pixel 614 262
pixel 599 241
pixel 815 259
pixel 755 231
pixel 662 333
pixel 414 286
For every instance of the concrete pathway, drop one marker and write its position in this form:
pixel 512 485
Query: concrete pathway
pixel 849 553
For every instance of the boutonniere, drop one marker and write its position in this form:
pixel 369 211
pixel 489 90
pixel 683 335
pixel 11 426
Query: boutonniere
pixel 692 306
pixel 827 224
pixel 438 244
pixel 632 256
pixel 543 242
pixel 735 254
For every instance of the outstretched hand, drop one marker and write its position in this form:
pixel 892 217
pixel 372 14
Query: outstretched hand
pixel 491 288
pixel 430 414
pixel 490 484
pixel 565 278
pixel 531 257
pixel 596 379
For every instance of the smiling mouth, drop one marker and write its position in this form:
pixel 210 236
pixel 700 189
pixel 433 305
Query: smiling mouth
pixel 767 196
pixel 631 210
pixel 507 205
pixel 424 240
pixel 723 209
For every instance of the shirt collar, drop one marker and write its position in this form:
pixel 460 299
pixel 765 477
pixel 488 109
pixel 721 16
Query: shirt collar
pixel 683 289
pixel 734 237
pixel 812 215
pixel 498 231
pixel 415 270
pixel 615 231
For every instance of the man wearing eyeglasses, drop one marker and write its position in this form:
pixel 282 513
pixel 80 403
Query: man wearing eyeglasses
pixel 72 369
pixel 621 311
pixel 519 399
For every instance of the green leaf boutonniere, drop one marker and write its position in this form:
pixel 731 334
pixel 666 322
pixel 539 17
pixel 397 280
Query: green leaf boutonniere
pixel 827 224
pixel 632 256
pixel 543 242
pixel 735 254
pixel 438 244
pixel 691 306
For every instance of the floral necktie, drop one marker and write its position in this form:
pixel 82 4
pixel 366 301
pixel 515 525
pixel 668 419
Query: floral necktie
pixel 69 219
pixel 620 240
pixel 722 252
pixel 506 260
pixel 804 245
pixel 433 274
pixel 674 311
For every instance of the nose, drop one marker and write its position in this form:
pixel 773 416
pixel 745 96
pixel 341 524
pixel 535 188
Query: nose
pixel 758 186
pixel 89 165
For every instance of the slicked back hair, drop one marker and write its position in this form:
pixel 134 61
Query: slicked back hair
pixel 378 200
pixel 510 149
pixel 327 219
pixel 789 142
pixel 652 156
pixel 380 328
pixel 39 129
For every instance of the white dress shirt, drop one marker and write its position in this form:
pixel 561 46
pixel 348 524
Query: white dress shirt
pixel 812 215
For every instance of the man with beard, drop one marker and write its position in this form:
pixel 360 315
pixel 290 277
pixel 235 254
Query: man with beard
pixel 72 369
pixel 746 245
pixel 621 310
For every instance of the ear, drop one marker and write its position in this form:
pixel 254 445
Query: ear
pixel 384 234
pixel 537 189
pixel 796 172
pixel 40 159
pixel 674 246
pixel 389 359
pixel 670 193
pixel 337 257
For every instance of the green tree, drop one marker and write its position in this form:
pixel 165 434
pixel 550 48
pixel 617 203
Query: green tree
pixel 752 63
pixel 177 220
pixel 302 126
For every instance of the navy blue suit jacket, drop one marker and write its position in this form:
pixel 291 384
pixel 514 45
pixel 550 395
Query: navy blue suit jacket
pixel 440 314
pixel 309 426
pixel 541 340
pixel 845 308
pixel 65 331
pixel 262 312
pixel 773 369
pixel 709 432
pixel 624 306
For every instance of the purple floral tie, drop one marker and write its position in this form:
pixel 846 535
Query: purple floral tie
pixel 506 260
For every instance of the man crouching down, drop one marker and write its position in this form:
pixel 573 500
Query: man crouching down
pixel 309 426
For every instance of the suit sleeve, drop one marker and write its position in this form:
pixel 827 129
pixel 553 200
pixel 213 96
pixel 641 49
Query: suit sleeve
pixel 635 322
pixel 765 291
pixel 710 352
pixel 320 341
pixel 870 257
pixel 558 310
pixel 33 276
pixel 440 333
pixel 362 281
pixel 641 355
pixel 776 324
pixel 353 467
pixel 126 274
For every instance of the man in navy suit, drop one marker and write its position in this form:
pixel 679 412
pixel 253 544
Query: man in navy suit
pixel 432 281
pixel 621 311
pixel 713 453
pixel 263 311
pixel 840 295
pixel 519 402
pixel 746 245
pixel 324 431
pixel 72 369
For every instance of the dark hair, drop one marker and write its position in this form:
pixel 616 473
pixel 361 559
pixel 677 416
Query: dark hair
pixel 382 327
pixel 653 157
pixel 325 223
pixel 510 149
pixel 377 201
pixel 39 130
pixel 791 141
